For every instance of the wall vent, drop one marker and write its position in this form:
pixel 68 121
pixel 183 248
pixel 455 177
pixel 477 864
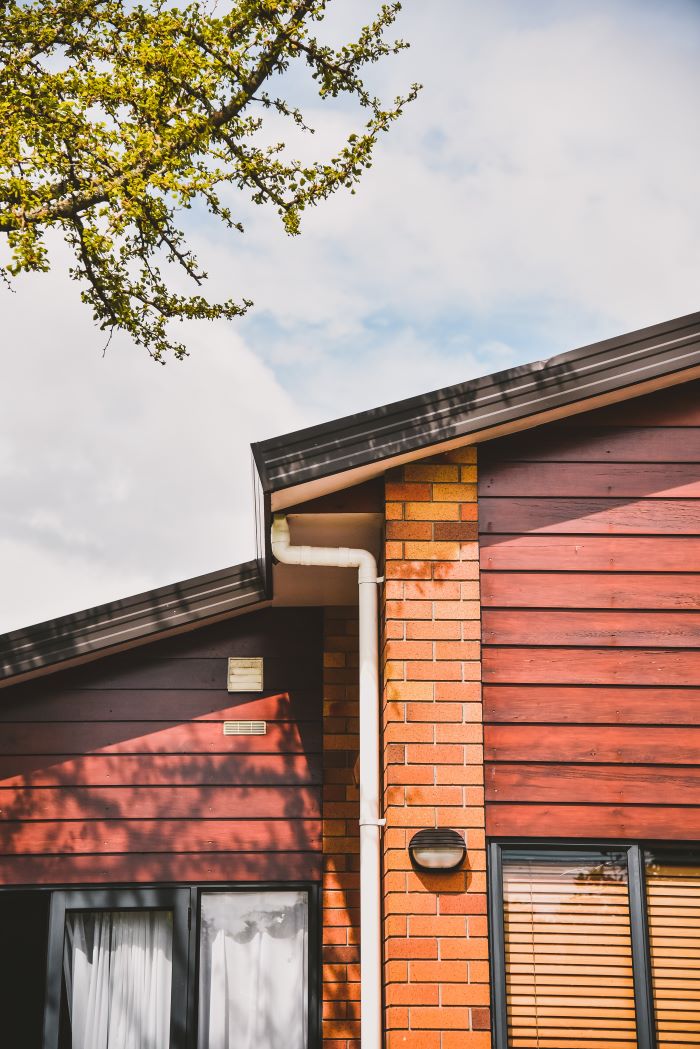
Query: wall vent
pixel 245 728
pixel 245 675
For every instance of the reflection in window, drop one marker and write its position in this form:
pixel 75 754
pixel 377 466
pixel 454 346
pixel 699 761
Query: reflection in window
pixel 117 970
pixel 568 952
pixel 673 910
pixel 253 979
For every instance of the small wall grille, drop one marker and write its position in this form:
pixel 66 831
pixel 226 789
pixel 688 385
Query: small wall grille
pixel 245 728
pixel 245 675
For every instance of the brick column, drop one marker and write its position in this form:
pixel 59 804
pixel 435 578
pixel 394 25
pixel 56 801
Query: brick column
pixel 436 956
pixel 341 834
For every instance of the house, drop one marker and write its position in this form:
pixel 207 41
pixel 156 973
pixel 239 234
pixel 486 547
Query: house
pixel 181 803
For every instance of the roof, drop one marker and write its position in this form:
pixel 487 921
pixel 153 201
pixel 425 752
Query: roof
pixel 474 410
pixel 133 620
pixel 339 453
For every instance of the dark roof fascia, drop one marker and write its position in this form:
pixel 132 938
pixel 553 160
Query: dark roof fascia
pixel 469 408
pixel 134 620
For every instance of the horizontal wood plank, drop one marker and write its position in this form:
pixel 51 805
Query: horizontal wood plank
pixel 160 867
pixel 100 803
pixel 544 552
pixel 633 444
pixel 576 744
pixel 575 666
pixel 143 673
pixel 608 480
pixel 540 704
pixel 155 705
pixel 591 516
pixel 592 784
pixel 172 770
pixel 590 590
pixel 155 737
pixel 171 836
pixel 600 629
pixel 594 821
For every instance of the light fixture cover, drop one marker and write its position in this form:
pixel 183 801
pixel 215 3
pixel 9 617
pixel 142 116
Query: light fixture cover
pixel 440 849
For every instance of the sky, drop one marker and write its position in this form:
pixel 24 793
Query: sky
pixel 541 194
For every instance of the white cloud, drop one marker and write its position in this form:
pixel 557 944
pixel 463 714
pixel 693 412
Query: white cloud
pixel 541 193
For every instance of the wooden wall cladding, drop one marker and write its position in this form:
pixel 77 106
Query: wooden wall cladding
pixel 590 562
pixel 120 771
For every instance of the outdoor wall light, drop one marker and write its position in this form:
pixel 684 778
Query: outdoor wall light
pixel 440 849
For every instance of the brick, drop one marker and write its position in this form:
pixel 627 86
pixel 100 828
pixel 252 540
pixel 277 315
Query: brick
pixel 430 551
pixel 465 733
pixel 439 1019
pixel 412 1040
pixel 463 903
pixel 393 511
pixel 402 491
pixel 456 570
pixel 469 511
pixel 409 732
pixel 431 472
pixel 413 994
pixel 422 795
pixel 455 610
pixel 481 1019
pixel 434 712
pixel 409 650
pixel 442 754
pixel 457 650
pixel 408 570
pixel 423 670
pixel 466 1039
pixel 393 550
pixel 441 972
pixel 405 691
pixel 441 590
pixel 462 455
pixel 468 474
pixel 416 530
pixel 440 925
pixel 466 692
pixel 409 609
pixel 432 511
pixel 464 948
pixel 454 493
pixel 460 531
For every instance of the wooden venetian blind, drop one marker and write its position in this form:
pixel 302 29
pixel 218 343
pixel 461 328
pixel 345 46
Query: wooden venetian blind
pixel 568 953
pixel 673 908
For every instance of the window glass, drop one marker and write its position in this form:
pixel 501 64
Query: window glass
pixel 568 952
pixel 117 980
pixel 673 911
pixel 253 979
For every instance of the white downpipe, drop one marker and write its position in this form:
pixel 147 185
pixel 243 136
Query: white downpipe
pixel 370 823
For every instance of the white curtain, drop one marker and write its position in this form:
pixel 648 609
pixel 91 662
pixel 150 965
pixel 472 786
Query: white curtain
pixel 253 976
pixel 118 973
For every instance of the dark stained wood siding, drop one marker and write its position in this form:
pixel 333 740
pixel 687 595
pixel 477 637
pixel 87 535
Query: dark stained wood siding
pixel 119 770
pixel 590 558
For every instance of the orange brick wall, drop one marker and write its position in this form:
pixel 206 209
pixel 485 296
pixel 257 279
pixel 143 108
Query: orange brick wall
pixel 341 841
pixel 435 926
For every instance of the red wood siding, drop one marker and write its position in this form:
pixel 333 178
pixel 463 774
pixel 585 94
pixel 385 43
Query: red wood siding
pixel 590 561
pixel 119 770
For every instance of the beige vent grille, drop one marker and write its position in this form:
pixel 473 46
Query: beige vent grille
pixel 245 675
pixel 245 728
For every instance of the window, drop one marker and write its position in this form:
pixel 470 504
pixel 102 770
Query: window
pixel 198 967
pixel 595 947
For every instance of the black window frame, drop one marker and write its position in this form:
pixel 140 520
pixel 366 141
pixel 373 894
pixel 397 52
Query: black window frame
pixel 184 902
pixel 639 929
